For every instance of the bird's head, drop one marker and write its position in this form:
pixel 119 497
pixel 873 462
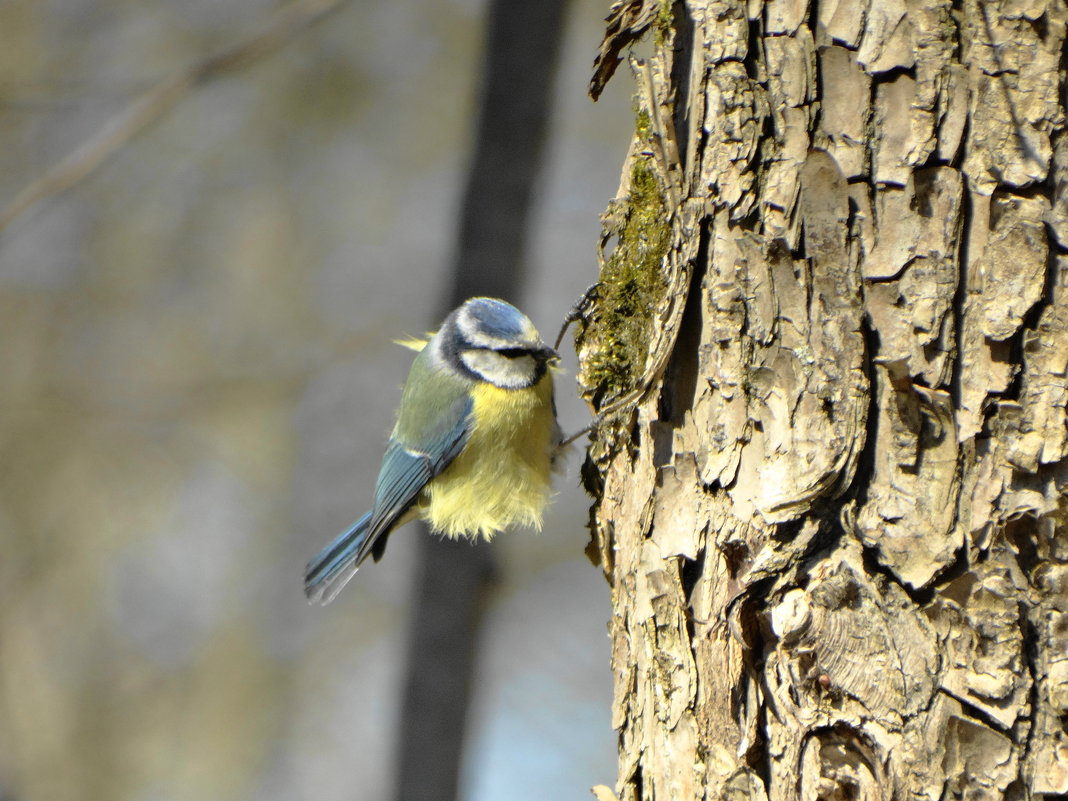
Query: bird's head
pixel 490 340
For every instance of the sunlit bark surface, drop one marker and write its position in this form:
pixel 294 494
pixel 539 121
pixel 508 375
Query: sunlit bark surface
pixel 833 521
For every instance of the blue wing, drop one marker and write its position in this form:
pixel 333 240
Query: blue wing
pixel 405 470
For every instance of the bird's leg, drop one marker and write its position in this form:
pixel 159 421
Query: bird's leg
pixel 568 440
pixel 574 315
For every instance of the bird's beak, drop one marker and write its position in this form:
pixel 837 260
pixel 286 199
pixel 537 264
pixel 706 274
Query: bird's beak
pixel 547 355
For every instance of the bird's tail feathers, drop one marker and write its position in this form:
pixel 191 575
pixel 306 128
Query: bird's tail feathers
pixel 331 570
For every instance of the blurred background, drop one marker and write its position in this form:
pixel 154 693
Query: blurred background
pixel 198 380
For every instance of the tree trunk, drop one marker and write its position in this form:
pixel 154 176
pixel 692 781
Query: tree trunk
pixel 832 341
pixel 453 577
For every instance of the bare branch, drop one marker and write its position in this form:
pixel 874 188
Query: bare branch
pixel 282 26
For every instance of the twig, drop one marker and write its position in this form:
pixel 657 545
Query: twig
pixel 147 109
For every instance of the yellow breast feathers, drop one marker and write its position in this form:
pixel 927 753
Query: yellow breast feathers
pixel 502 476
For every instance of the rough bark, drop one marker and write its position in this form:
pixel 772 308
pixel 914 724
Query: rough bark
pixel 832 336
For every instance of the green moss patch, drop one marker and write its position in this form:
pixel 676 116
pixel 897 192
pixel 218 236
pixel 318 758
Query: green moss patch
pixel 617 332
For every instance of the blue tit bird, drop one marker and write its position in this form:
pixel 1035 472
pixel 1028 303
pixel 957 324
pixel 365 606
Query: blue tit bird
pixel 474 445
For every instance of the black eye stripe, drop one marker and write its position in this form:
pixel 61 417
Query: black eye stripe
pixel 513 353
pixel 508 353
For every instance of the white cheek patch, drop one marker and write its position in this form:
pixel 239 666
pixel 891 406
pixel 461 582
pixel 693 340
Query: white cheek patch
pixel 499 370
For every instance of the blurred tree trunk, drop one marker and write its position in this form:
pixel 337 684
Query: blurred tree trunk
pixel 520 60
pixel 833 517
